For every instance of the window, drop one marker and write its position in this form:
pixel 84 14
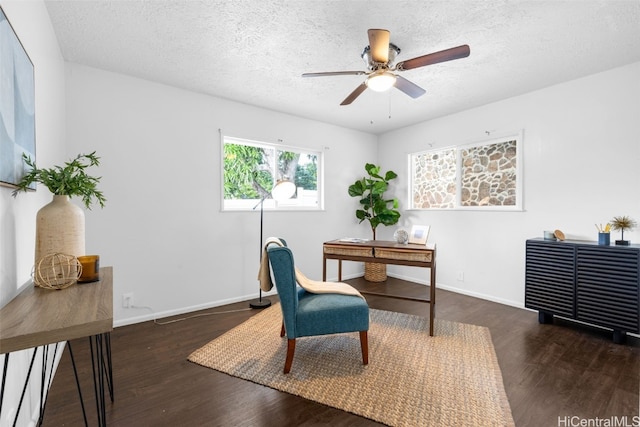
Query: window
pixel 484 175
pixel 251 169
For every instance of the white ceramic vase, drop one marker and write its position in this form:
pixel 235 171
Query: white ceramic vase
pixel 59 229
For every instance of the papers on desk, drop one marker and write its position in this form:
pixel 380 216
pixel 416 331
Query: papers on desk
pixel 353 240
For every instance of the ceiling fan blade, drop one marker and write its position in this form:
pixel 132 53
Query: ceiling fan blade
pixel 411 89
pixel 434 58
pixel 335 73
pixel 353 95
pixel 379 44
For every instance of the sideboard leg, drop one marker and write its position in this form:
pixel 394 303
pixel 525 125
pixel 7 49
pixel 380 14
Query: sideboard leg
pixel 544 317
pixel 619 337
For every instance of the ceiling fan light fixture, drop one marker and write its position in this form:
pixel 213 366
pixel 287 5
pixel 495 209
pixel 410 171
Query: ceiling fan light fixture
pixel 381 81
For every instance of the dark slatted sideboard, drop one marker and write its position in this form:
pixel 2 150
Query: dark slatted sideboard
pixel 584 281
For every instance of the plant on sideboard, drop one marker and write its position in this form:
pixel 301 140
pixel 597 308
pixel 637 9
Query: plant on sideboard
pixel 60 225
pixel 68 180
pixel 623 223
pixel 374 207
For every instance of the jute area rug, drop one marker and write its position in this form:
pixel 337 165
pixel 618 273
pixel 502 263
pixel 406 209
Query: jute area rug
pixel 450 379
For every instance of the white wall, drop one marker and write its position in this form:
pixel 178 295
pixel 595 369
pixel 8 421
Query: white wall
pixel 170 245
pixel 162 229
pixel 31 23
pixel 581 167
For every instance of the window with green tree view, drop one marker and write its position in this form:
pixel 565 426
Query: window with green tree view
pixel 251 169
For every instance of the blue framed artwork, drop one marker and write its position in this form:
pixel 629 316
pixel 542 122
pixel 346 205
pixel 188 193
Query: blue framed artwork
pixel 17 105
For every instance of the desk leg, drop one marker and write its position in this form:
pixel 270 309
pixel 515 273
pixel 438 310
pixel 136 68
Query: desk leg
pixel 324 268
pixel 339 270
pixel 432 297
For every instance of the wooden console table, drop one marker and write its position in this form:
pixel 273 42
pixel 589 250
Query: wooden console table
pixel 38 317
pixel 386 252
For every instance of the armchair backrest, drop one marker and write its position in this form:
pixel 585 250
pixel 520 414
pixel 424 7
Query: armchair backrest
pixel 284 275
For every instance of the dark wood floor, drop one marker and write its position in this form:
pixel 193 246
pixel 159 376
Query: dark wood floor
pixel 549 371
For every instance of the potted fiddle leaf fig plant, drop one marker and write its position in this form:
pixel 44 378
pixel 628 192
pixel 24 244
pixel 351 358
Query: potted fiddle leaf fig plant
pixel 376 209
pixel 60 225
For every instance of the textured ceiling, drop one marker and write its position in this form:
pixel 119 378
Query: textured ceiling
pixel 254 52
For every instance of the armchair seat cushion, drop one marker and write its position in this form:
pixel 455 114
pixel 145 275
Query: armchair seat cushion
pixel 322 314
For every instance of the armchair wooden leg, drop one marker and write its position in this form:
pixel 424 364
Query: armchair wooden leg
pixel 364 345
pixel 282 331
pixel 291 348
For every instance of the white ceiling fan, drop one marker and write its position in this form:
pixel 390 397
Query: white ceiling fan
pixel 382 73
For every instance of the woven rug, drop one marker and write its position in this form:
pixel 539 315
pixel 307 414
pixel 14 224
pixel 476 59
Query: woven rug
pixel 450 379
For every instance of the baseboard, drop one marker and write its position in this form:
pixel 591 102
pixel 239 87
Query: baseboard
pixel 147 313
pixel 492 298
pixel 153 315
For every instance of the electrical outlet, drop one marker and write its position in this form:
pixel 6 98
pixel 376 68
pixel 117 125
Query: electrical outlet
pixel 460 276
pixel 127 300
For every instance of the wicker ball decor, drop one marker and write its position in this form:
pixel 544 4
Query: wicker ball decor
pixel 57 271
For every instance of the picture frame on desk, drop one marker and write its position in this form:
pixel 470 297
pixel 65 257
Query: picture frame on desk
pixel 419 234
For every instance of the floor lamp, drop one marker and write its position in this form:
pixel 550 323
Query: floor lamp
pixel 283 190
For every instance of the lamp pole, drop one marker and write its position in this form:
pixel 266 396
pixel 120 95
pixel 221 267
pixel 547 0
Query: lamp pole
pixel 260 302
pixel 281 191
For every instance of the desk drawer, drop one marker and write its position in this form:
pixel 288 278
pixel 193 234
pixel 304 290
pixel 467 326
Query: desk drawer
pixel 348 250
pixel 403 254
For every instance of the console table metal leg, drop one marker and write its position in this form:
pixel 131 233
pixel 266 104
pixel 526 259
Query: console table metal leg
pixel 98 377
pixel 109 366
pixel 75 373
pixel 102 372
pixel 26 383
pixel 44 384
pixel 43 379
pixel 4 380
pixel 43 396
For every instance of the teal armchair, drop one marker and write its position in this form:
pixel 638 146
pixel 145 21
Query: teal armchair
pixel 306 314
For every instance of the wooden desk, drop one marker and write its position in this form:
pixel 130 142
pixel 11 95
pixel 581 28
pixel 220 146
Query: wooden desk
pixel 38 317
pixel 386 252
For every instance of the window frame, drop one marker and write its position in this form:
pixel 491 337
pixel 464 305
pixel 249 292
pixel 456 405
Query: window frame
pixel 503 138
pixel 244 205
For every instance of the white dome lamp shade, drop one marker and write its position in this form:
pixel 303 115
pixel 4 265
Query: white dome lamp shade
pixel 381 80
pixel 283 190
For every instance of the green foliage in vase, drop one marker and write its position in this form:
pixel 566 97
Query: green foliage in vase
pixel 375 208
pixel 68 180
